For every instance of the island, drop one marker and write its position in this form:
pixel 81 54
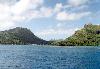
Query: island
pixel 87 36
pixel 20 36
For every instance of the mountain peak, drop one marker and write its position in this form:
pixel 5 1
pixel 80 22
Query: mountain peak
pixel 19 35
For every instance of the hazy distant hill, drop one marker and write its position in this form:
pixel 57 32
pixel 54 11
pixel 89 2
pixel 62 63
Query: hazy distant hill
pixel 87 36
pixel 19 36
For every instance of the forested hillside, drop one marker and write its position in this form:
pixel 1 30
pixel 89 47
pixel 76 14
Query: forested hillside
pixel 19 36
pixel 87 36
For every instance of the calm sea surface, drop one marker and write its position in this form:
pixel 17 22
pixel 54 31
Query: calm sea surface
pixel 49 57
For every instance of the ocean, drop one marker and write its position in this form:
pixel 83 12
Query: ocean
pixel 49 57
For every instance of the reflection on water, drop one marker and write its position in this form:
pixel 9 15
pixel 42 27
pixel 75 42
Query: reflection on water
pixel 37 57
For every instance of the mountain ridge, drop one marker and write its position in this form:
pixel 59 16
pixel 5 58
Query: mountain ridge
pixel 87 36
pixel 19 36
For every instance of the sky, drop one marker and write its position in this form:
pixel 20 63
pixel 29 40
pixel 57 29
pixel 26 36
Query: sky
pixel 49 19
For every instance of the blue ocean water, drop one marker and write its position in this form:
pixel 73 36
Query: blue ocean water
pixel 49 57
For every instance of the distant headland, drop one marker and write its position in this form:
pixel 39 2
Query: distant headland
pixel 87 36
pixel 19 36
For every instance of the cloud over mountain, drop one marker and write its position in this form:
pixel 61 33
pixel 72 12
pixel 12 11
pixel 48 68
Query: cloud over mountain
pixel 16 12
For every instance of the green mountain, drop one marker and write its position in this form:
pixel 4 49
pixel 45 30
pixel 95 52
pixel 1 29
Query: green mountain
pixel 87 36
pixel 19 36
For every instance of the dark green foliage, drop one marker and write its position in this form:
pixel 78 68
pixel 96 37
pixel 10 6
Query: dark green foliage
pixel 19 36
pixel 88 36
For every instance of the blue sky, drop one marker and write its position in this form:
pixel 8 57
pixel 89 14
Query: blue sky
pixel 49 19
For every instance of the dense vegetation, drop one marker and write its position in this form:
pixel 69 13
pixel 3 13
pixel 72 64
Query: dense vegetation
pixel 19 36
pixel 88 36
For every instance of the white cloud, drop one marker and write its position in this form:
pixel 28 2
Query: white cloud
pixel 60 30
pixel 25 10
pixel 8 2
pixel 41 13
pixel 56 32
pixel 19 11
pixel 46 12
pixel 77 2
pixel 20 7
pixel 58 7
pixel 60 25
pixel 24 5
pixel 6 25
pixel 62 16
pixel 74 10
